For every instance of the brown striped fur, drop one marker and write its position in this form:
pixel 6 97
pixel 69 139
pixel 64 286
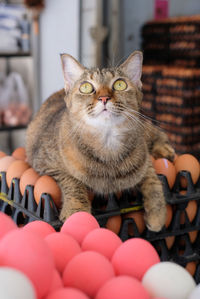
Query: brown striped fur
pixel 82 147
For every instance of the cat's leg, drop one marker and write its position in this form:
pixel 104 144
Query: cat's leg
pixel 158 143
pixel 74 197
pixel 161 148
pixel 153 200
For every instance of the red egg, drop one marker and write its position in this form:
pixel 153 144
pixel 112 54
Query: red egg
pixel 79 224
pixel 122 287
pixel 134 257
pixel 88 271
pixel 103 241
pixel 63 247
pixel 28 253
pixel 64 293
pixel 41 228
pixel 188 163
pixel 165 167
pixel 6 224
pixel 56 282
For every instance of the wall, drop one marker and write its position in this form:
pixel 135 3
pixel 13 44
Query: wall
pixel 59 33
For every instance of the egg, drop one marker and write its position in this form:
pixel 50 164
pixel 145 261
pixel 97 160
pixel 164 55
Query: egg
pixel 191 211
pixel 114 223
pixel 169 241
pixel 169 215
pixel 46 184
pixel 166 168
pixel 19 153
pixel 168 279
pixel 187 162
pixel 2 154
pixel 138 217
pixel 88 271
pixel 5 162
pixel 191 267
pixel 29 177
pixel 15 170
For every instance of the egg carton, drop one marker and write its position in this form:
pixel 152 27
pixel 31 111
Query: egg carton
pixel 24 209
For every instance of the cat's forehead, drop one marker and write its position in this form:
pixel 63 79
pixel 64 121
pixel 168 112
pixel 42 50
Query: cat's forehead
pixel 102 75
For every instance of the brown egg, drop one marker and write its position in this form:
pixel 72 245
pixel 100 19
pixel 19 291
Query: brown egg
pixel 46 184
pixel 29 177
pixel 5 162
pixel 2 154
pixel 15 170
pixel 169 215
pixel 191 211
pixel 193 235
pixel 138 217
pixel 170 241
pixel 19 153
pixel 165 167
pixel 114 223
pixel 191 267
pixel 189 163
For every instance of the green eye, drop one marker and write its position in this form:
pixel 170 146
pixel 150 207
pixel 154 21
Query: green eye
pixel 86 88
pixel 119 85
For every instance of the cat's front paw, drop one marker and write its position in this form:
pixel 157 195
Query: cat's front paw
pixel 163 151
pixel 155 220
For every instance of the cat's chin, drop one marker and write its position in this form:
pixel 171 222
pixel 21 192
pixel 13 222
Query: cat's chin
pixel 105 118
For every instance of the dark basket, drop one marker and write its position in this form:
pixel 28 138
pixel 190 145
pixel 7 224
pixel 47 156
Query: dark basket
pixel 24 209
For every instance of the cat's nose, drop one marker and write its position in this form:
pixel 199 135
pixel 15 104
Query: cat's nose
pixel 104 99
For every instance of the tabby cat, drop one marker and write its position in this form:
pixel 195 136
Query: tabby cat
pixel 91 135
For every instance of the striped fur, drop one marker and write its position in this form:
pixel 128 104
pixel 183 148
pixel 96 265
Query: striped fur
pixel 72 140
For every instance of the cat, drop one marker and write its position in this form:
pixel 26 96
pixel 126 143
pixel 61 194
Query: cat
pixel 91 135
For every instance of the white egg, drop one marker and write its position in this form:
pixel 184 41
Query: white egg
pixel 195 293
pixel 168 280
pixel 15 285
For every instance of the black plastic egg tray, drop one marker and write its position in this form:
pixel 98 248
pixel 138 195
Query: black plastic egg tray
pixel 24 209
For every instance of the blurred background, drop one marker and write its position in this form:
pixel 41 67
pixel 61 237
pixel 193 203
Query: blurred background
pixel 101 33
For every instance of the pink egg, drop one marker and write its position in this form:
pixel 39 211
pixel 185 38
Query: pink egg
pixel 39 227
pixel 6 224
pixel 65 293
pixel 79 224
pixel 122 287
pixel 134 257
pixel 56 282
pixel 28 253
pixel 103 241
pixel 63 247
pixel 88 271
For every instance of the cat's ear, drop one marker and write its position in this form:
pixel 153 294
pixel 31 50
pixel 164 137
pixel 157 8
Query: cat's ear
pixel 72 70
pixel 132 67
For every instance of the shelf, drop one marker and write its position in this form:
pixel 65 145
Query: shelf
pixel 12 128
pixel 14 54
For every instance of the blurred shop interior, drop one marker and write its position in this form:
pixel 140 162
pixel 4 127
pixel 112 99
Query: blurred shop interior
pixel 101 33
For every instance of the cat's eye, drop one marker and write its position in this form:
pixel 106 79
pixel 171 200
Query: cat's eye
pixel 86 88
pixel 119 85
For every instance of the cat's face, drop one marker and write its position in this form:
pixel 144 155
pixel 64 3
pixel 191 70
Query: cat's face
pixel 103 98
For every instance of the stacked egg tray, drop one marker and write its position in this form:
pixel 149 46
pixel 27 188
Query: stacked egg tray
pixel 172 98
pixel 184 251
pixel 179 41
